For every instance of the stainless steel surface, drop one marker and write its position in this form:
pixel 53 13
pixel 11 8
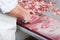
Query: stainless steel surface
pixel 31 33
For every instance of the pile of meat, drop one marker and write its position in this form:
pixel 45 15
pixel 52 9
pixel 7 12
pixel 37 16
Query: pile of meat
pixel 40 6
pixel 41 23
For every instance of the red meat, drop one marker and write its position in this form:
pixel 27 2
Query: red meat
pixel 41 23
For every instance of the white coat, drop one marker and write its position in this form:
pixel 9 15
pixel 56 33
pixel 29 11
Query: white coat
pixel 7 23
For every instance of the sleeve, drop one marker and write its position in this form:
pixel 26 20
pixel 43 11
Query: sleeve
pixel 7 5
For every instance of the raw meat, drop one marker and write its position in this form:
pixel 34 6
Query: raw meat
pixel 57 11
pixel 41 23
pixel 39 6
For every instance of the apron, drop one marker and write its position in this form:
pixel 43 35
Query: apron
pixel 7 27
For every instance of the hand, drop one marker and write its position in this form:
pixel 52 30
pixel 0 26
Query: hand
pixel 28 15
pixel 21 13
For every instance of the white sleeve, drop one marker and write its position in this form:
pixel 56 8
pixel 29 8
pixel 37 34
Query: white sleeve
pixel 7 5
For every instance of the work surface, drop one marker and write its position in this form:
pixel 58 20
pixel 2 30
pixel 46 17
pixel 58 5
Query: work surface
pixel 44 26
pixel 41 24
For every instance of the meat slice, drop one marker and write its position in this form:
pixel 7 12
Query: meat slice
pixel 57 11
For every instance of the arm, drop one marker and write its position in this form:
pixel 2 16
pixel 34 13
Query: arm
pixel 20 13
pixel 12 8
